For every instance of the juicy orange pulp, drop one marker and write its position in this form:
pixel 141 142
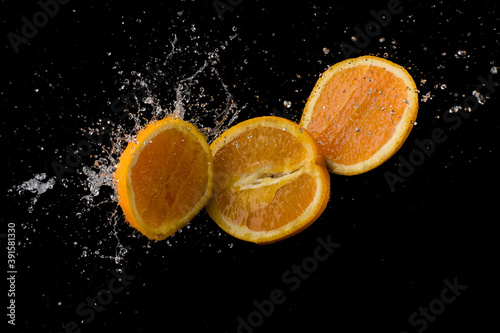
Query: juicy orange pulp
pixel 269 180
pixel 360 112
pixel 255 154
pixel 165 177
pixel 357 113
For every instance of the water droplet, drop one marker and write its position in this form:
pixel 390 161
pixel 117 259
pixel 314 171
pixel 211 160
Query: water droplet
pixel 326 50
pixel 480 98
pixel 494 70
pixel 443 86
pixel 426 97
pixel 148 100
pixel 287 104
pixel 460 53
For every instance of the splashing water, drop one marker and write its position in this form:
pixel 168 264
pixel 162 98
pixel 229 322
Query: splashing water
pixel 191 100
pixel 196 94
pixel 98 176
pixel 36 186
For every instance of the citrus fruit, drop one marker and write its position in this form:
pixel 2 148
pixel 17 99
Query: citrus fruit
pixel 164 177
pixel 360 112
pixel 270 180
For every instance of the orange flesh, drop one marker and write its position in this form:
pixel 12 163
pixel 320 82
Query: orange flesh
pixel 357 113
pixel 169 178
pixel 257 152
pixel 258 149
pixel 268 207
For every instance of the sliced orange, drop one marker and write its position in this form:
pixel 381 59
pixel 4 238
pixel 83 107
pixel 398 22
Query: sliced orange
pixel 270 180
pixel 360 112
pixel 164 177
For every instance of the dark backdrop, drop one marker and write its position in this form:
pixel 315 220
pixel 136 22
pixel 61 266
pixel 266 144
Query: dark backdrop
pixel 397 246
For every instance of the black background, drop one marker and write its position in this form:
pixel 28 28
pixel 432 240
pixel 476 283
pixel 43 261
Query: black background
pixel 397 247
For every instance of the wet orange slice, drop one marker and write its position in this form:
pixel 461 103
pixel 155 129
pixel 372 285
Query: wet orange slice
pixel 164 177
pixel 270 180
pixel 360 112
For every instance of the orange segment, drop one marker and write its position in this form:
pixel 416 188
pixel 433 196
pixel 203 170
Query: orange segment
pixel 164 177
pixel 270 180
pixel 360 112
pixel 269 207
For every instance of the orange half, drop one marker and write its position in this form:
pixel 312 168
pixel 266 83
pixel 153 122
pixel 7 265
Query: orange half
pixel 360 112
pixel 164 177
pixel 270 180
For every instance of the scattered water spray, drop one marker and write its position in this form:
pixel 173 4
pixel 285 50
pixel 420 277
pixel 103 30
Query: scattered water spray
pixel 36 186
pixel 198 95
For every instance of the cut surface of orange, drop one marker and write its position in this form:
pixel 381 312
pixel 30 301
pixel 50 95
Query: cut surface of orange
pixel 270 180
pixel 360 112
pixel 164 177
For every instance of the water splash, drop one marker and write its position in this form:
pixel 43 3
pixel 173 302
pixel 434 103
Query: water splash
pixel 36 186
pixel 101 174
pixel 190 100
pixel 184 81
pixel 200 96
